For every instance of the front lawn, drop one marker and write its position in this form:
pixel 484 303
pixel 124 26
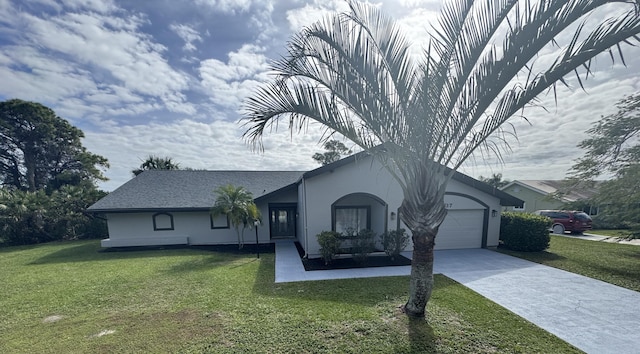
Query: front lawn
pixel 70 298
pixel 614 263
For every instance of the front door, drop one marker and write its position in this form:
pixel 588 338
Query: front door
pixel 282 220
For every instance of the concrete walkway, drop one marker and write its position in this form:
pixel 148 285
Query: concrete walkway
pixel 594 316
pixel 601 238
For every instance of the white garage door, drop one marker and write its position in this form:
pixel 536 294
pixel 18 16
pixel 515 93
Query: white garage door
pixel 461 229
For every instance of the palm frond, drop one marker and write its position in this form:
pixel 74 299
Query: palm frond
pixel 354 74
pixel 346 66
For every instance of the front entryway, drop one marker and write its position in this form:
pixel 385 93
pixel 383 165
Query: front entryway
pixel 282 220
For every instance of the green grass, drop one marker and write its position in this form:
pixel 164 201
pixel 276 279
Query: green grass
pixel 613 263
pixel 198 301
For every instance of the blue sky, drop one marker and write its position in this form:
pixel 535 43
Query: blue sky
pixel 168 78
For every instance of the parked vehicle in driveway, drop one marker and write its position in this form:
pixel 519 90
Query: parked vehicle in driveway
pixel 566 220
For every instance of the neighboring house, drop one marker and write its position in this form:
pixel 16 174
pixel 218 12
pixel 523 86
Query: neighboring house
pixel 172 207
pixel 543 195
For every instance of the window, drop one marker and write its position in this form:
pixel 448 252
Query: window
pixel 219 221
pixel 162 222
pixel 348 219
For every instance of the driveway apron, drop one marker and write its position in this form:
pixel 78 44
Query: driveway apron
pixel 592 315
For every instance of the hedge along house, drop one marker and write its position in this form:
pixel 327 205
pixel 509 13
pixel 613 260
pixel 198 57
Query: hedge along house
pixel 172 207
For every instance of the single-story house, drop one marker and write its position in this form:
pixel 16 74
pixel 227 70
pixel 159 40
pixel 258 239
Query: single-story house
pixel 543 195
pixel 173 207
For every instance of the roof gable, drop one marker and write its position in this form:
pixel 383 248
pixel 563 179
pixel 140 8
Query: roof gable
pixel 505 198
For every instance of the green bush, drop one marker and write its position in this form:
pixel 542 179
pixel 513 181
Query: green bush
pixel 329 245
pixel 395 242
pixel 36 217
pixel 524 232
pixel 362 245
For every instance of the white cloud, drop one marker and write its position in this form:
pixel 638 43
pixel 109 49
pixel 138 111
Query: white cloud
pixel 226 6
pixel 69 52
pixel 310 13
pixel 100 6
pixel 188 35
pixel 229 83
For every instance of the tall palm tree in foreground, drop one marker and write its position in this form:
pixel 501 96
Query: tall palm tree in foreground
pixel 354 73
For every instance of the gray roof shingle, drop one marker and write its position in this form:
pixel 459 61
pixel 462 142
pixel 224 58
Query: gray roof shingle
pixel 188 190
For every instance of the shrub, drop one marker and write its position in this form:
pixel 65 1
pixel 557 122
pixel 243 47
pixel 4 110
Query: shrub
pixel 35 217
pixel 362 245
pixel 524 232
pixel 329 245
pixel 395 242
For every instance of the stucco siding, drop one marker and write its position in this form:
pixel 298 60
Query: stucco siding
pixel 136 229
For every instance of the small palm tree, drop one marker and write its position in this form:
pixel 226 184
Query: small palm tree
pixel 153 162
pixel 354 73
pixel 237 204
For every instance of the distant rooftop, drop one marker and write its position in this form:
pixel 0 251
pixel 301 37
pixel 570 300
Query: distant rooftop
pixel 548 186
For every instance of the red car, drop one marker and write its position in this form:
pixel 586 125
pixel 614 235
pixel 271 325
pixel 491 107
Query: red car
pixel 565 220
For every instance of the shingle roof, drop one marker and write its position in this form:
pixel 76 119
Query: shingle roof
pixel 549 186
pixel 193 190
pixel 188 190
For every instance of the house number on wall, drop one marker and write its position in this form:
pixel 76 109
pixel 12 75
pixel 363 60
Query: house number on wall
pixel 448 205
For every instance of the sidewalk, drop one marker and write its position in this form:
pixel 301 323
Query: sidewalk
pixel 611 239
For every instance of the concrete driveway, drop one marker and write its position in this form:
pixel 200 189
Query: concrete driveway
pixel 595 316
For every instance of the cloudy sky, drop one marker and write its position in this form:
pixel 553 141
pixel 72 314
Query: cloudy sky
pixel 169 77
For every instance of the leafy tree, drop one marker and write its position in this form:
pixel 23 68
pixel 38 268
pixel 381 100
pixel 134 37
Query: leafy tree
pixel 335 151
pixel 153 162
pixel 495 180
pixel 39 150
pixel 355 73
pixel 614 143
pixel 237 204
pixel 34 217
pixel 614 148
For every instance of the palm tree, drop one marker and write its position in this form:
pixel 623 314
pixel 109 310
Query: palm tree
pixel 354 73
pixel 495 180
pixel 153 162
pixel 237 204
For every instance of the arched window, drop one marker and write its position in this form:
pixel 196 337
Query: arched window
pixel 162 221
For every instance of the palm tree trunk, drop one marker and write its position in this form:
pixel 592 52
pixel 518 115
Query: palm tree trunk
pixel 421 281
pixel 423 211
